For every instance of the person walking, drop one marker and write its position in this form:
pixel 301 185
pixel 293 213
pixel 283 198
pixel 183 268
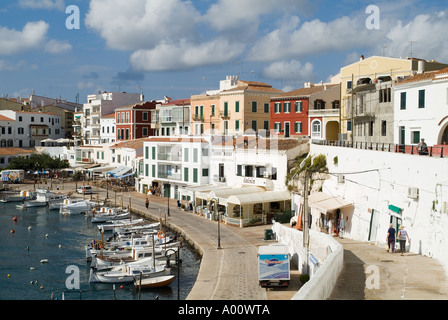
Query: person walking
pixel 422 147
pixel 147 203
pixel 390 238
pixel 402 236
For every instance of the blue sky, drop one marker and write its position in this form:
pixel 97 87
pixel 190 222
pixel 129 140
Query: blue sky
pixel 179 48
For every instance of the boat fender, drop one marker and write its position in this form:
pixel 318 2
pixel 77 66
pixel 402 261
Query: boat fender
pixel 14 219
pixel 12 231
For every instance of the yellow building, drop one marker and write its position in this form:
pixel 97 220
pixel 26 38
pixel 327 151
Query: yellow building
pixel 204 114
pixel 368 71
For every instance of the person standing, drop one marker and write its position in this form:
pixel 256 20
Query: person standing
pixel 402 236
pixel 422 147
pixel 390 238
pixel 147 203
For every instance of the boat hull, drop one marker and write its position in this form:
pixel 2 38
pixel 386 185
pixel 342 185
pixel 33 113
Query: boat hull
pixel 155 282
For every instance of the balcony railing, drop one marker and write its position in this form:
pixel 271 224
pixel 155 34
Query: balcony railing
pixel 225 115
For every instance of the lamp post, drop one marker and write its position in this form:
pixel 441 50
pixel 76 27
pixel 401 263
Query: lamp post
pixel 216 200
pixel 167 185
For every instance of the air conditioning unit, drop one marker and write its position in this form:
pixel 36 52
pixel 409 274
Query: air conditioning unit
pixel 341 178
pixel 413 193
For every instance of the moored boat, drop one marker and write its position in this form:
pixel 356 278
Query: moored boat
pixel 153 282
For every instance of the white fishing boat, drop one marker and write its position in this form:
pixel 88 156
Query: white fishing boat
pixel 76 206
pixel 119 223
pixel 128 273
pixel 153 282
pixel 107 214
pixel 56 201
pixel 42 199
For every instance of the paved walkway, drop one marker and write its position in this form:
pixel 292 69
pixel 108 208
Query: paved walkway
pixel 230 273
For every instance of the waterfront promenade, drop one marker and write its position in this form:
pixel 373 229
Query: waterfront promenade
pixel 230 273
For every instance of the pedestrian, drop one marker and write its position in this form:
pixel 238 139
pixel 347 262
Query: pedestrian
pixel 147 203
pixel 390 238
pixel 402 235
pixel 422 147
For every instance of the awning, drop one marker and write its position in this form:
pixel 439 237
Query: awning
pixel 118 172
pixel 259 197
pixel 395 209
pixel 222 194
pixel 100 169
pixel 326 203
pixel 126 175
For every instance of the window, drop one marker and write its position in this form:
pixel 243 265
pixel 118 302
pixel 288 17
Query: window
pixel 254 125
pixel 237 106
pixel 415 136
pixel 298 106
pixel 185 155
pixel 239 170
pixel 118 117
pixel 20 119
pixel 266 108
pixel 385 95
pixel 153 153
pixel 421 99
pixel 20 130
pixel 213 110
pixel 146 152
pixel 349 84
pixel 277 107
pixel 195 155
pixel 41 119
pixel 349 126
pixel 153 170
pixel 145 116
pixel 195 175
pixel 266 124
pixel 226 109
pixel 185 174
pixel 383 128
pixel 248 171
pixel 254 106
pixel 298 127
pixel 403 101
pixel 205 172
pixel 287 107
pixel 371 128
pixel 145 132
pixel 237 125
pixel 32 119
pixel 277 127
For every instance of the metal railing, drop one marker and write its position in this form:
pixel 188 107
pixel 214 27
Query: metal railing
pixel 432 151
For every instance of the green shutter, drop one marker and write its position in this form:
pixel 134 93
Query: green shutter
pixel 195 175
pixel 421 98
pixel 237 106
pixel 237 125
pixel 403 101
pixel 185 174
pixel 153 170
pixel 153 153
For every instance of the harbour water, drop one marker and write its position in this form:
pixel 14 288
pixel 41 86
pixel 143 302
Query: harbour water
pixel 42 234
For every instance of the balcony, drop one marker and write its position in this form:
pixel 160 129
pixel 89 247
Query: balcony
pixel 198 117
pixel 225 115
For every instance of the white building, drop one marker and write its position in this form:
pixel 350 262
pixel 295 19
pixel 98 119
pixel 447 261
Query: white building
pixel 171 118
pixel 171 164
pixel 420 108
pixel 107 133
pixel 102 104
pixel 29 129
pixel 387 187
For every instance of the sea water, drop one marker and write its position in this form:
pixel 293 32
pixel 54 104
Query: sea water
pixel 39 235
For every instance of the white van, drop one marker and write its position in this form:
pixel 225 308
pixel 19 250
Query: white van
pixel 85 190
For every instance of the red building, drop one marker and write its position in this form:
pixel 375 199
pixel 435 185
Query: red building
pixel 134 121
pixel 290 111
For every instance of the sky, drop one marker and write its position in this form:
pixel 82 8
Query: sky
pixel 178 48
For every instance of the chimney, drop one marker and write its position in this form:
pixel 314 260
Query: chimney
pixel 362 58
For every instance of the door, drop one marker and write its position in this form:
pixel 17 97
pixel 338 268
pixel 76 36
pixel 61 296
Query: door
pixel 373 225
pixel 287 130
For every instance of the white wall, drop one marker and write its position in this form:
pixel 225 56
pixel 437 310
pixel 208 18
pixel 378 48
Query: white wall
pixel 380 179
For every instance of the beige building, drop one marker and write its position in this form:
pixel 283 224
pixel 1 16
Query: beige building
pixel 369 72
pixel 205 116
pixel 246 108
pixel 67 117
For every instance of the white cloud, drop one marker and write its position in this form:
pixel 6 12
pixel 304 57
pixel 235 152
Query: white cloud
pixel 31 36
pixel 233 14
pixel 42 4
pixel 428 33
pixel 55 46
pixel 185 55
pixel 141 24
pixel 16 66
pixel 289 70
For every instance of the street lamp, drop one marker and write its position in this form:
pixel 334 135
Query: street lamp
pixel 216 200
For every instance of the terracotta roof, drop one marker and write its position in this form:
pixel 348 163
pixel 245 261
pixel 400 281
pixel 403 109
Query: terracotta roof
pixel 131 144
pixel 419 77
pixel 179 102
pixel 14 151
pixel 253 86
pixel 3 118
pixel 305 92
pixel 175 139
pixel 111 115
pixel 37 112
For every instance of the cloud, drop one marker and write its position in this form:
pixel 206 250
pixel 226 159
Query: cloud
pixel 42 4
pixel 428 33
pixel 129 75
pixel 16 66
pixel 31 36
pixel 233 14
pixel 55 46
pixel 185 55
pixel 141 24
pixel 289 70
